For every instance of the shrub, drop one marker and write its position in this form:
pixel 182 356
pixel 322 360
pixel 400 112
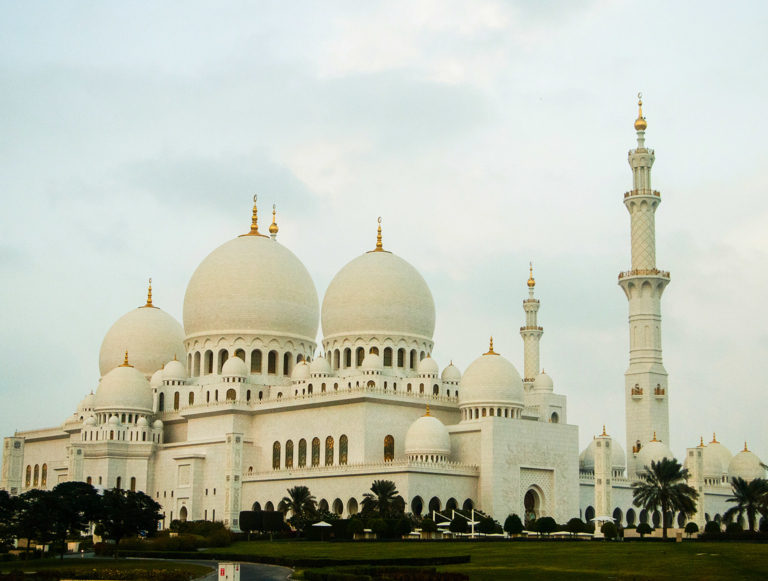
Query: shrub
pixel 712 527
pixel 403 527
pixel 513 525
pixel 575 526
pixel 691 528
pixel 734 527
pixel 487 526
pixel 428 525
pixel 459 525
pixel 644 529
pixel 355 526
pixel 547 525
pixel 609 530
pixel 763 527
pixel 590 528
pixel 378 527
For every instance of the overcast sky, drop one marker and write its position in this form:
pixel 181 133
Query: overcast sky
pixel 133 136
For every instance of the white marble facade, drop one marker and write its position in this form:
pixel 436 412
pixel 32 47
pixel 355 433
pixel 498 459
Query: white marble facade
pixel 227 412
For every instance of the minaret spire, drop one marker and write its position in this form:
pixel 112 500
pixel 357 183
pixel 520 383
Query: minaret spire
pixel 646 385
pixel 531 334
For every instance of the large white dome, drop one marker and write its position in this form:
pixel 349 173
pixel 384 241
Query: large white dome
pixel 746 465
pixel 150 335
pixel 124 389
pixel 653 451
pixel 491 379
pixel 378 293
pixel 252 285
pixel 618 458
pixel 427 435
pixel 717 458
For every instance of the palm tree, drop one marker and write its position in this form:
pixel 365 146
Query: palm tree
pixel 300 502
pixel 750 497
pixel 662 484
pixel 383 499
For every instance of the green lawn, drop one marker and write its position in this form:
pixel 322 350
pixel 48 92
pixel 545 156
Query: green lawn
pixel 531 561
pixel 37 565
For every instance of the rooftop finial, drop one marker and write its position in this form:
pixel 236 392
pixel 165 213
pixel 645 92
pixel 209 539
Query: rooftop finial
pixel 531 282
pixel 426 414
pixel 254 221
pixel 654 437
pixel 273 227
pixel 745 447
pixel 714 439
pixel 125 361
pixel 491 351
pixel 701 444
pixel 379 245
pixel 149 298
pixel 640 123
pixel 603 434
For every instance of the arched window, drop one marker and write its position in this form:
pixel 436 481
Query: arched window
pixel 412 363
pixel 401 357
pixel 347 358
pixel 343 445
pixel 389 449
pixel 329 451
pixel 216 395
pixel 189 364
pixel 272 363
pixel 409 388
pixel 374 350
pixel 29 475
pixel 261 395
pixel 435 390
pixel 241 354
pixel 196 368
pixel 302 453
pixel 248 395
pixel 287 363
pixel 483 412
pixel 388 357
pixel 44 476
pixel 256 361
pixel 89 480
pixel 133 484
pixel 119 483
pixel 316 452
pixel 300 358
pixel 554 418
pixel 208 362
pixel 191 398
pixel 421 388
pixel 360 356
pixel 309 388
pixel 276 456
pixel 122 419
pixel 111 437
pixel 231 395
pixel 289 454
pixel 223 356
pixel 336 357
pixel 176 401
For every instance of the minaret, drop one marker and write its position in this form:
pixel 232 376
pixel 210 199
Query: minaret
pixel 531 334
pixel 646 389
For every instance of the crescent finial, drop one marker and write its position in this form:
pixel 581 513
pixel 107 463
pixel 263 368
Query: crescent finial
pixel 379 219
pixel 254 198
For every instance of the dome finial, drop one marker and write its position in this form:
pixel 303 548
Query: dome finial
pixel 125 361
pixel 254 221
pixel 149 304
pixel 531 282
pixel 745 447
pixel 427 414
pixel 714 439
pixel 491 351
pixel 701 444
pixel 379 245
pixel 603 434
pixel 654 437
pixel 640 123
pixel 273 227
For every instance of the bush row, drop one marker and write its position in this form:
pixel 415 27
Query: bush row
pixel 116 574
pixel 378 573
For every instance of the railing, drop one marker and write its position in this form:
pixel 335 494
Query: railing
pixel 366 466
pixel 659 391
pixel 644 272
pixel 641 150
pixel 530 328
pixel 637 391
pixel 531 301
pixel 642 193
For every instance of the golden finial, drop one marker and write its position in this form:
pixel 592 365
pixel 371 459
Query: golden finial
pixel 714 439
pixel 745 447
pixel 531 282
pixel 491 351
pixel 640 123
pixel 603 434
pixel 149 304
pixel 273 227
pixel 654 437
pixel 426 414
pixel 254 221
pixel 379 245
pixel 701 444
pixel 125 361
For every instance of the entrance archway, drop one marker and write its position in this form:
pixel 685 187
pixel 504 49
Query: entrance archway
pixel 183 514
pixel 532 504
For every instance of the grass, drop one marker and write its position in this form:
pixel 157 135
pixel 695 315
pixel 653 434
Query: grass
pixel 534 561
pixel 38 565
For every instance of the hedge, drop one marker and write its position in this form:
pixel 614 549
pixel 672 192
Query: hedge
pixel 377 573
pixel 83 573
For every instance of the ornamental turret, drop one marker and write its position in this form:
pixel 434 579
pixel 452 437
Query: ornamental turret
pixel 646 379
pixel 531 335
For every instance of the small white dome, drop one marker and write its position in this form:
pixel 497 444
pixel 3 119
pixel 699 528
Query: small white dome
pixel 319 366
pixel 142 423
pixel 372 362
pixel 618 458
pixel 717 459
pixel 543 383
pixel 746 465
pixel 427 435
pixel 451 373
pixel 428 366
pixel 87 403
pixel 491 379
pixel 174 371
pixel 234 367
pixel 300 371
pixel 124 389
pixel 158 425
pixel 113 421
pixel 91 421
pixel 653 451
pixel 157 378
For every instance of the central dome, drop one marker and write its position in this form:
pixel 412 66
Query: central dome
pixel 378 293
pixel 251 285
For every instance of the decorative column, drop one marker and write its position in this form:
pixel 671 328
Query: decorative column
pixel 233 482
pixel 695 465
pixel 646 386
pixel 531 335
pixel 76 457
pixel 12 475
pixel 603 477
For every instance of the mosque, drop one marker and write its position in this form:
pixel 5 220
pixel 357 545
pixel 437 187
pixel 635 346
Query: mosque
pixel 226 412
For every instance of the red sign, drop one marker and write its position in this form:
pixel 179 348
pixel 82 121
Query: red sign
pixel 222 572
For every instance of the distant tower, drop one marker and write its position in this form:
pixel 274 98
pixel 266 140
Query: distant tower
pixel 531 334
pixel 646 389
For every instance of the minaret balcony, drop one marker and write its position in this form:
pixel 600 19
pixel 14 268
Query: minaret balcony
pixel 642 193
pixel 659 392
pixel 531 328
pixel 637 392
pixel 644 272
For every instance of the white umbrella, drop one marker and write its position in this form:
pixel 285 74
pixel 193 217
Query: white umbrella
pixel 322 523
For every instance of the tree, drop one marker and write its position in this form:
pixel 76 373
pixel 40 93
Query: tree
pixel 403 527
pixel 355 526
pixel 124 513
pixel 691 528
pixel 644 529
pixel 609 530
pixel 8 509
pixel 75 506
pixel 378 527
pixel 712 528
pixel 428 525
pixel 734 527
pixel 32 520
pixel 575 526
pixel 487 526
pixel 748 497
pixel 513 525
pixel 547 525
pixel 302 505
pixel 663 484
pixel 250 520
pixel 459 525
pixel 383 500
